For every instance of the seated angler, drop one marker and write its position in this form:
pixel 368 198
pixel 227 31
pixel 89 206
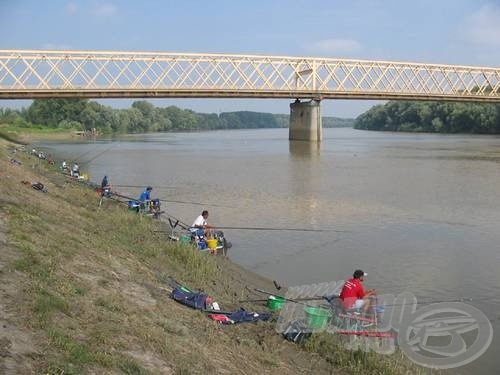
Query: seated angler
pixel 145 197
pixel 75 170
pixel 105 187
pixel 353 294
pixel 200 226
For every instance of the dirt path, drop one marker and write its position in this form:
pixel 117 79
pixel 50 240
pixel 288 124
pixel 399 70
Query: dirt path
pixel 18 353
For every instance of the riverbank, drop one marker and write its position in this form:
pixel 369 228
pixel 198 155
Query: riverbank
pixel 83 290
pixel 16 134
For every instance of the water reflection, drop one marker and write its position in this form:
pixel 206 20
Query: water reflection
pixel 304 150
pixel 304 176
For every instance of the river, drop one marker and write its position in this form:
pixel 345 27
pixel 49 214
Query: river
pixel 418 212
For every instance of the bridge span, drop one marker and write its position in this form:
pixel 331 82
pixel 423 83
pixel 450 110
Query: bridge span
pixel 30 74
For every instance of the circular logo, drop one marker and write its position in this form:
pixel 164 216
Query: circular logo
pixel 444 324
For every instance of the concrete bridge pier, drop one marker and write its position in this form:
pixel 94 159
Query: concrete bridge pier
pixel 305 121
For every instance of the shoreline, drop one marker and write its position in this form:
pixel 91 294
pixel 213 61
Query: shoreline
pixel 249 275
pixel 90 282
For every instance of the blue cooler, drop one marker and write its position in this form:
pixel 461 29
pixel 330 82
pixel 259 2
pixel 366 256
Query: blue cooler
pixel 133 205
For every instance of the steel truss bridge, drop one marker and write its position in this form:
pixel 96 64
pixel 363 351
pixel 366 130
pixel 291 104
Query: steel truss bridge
pixel 90 74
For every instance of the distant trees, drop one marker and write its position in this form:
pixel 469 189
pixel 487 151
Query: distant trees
pixel 439 117
pixel 142 117
pixel 249 120
pixel 51 112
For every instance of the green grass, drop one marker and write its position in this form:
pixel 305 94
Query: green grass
pixel 332 347
pixel 75 355
pixel 11 136
pixel 26 264
pixel 47 303
pixel 35 129
pixel 23 135
pixel 131 367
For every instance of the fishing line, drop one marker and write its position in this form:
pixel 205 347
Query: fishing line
pixel 101 153
pixel 85 153
pixel 142 186
pixel 284 229
pixel 193 203
pixel 167 200
pixel 463 300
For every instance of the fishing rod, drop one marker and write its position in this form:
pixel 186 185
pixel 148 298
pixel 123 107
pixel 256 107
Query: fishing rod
pixel 253 300
pixel 123 196
pixel 113 199
pixel 195 203
pixel 83 154
pixel 142 186
pixel 283 229
pixel 435 301
pixel 117 200
pixel 101 153
pixel 209 311
pixel 169 216
pixel 171 201
pixel 297 300
pixel 177 221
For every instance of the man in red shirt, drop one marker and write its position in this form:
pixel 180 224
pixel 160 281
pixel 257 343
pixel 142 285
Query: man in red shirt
pixel 353 295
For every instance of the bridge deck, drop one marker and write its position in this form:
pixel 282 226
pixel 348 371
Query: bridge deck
pixel 43 74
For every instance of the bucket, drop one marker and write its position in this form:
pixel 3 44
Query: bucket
pixel 275 303
pixel 317 317
pixel 185 238
pixel 212 243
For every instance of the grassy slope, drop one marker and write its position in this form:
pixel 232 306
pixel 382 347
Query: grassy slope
pixel 90 290
pixel 18 134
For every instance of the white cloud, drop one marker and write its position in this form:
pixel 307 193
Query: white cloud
pixel 71 8
pixel 335 46
pixel 482 28
pixel 104 9
pixel 55 46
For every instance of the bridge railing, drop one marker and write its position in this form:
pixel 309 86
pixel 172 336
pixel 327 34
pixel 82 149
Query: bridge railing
pixel 119 74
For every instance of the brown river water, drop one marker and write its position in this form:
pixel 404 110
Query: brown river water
pixel 419 212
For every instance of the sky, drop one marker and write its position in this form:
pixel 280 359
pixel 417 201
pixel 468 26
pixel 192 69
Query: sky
pixel 465 32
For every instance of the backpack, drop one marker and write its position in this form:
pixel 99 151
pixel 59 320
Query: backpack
pixel 197 301
pixel 297 331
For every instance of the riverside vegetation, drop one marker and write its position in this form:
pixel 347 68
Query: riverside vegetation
pixel 435 117
pixel 83 291
pixel 142 117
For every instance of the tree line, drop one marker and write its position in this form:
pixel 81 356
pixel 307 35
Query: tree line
pixel 438 117
pixel 142 117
